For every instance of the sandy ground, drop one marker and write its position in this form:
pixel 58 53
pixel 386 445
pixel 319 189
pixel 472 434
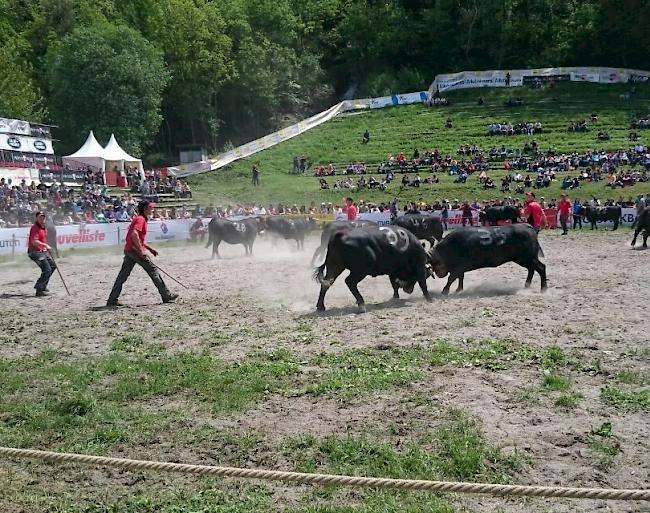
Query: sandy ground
pixel 596 308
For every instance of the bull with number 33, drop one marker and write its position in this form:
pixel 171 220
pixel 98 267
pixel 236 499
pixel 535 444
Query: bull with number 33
pixel 469 249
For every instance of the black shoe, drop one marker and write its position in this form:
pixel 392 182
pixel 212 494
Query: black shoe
pixel 171 298
pixel 113 304
pixel 42 293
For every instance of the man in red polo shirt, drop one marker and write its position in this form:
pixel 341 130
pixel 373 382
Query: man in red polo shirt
pixel 351 209
pixel 134 253
pixel 39 251
pixel 565 208
pixel 533 212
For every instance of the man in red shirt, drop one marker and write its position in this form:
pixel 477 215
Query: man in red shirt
pixel 351 209
pixel 533 212
pixel 565 208
pixel 39 251
pixel 134 253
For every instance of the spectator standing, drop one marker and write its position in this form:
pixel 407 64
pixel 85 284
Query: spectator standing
pixel 351 209
pixel 134 253
pixel 564 206
pixel 466 209
pixel 577 214
pixel 39 251
pixel 445 214
pixel 256 176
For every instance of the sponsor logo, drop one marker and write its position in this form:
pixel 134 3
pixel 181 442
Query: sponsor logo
pixel 40 145
pixel 14 142
pixel 163 228
pixel 83 237
pixel 10 243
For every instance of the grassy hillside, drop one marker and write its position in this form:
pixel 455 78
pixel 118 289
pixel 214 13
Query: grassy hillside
pixel 405 128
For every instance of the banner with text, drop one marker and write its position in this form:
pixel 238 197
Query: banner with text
pixel 518 77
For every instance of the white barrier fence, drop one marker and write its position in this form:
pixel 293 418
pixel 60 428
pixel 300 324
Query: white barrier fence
pixel 519 77
pixel 14 240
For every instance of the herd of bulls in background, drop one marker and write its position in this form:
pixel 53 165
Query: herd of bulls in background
pixel 397 251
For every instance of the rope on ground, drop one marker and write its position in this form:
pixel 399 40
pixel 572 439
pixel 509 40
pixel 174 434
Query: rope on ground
pixel 336 480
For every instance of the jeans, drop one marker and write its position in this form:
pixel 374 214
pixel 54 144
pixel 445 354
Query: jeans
pixel 47 265
pixel 466 219
pixel 130 260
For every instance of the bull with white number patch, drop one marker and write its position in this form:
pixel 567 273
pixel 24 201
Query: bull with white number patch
pixel 469 249
pixel 374 251
pixel 233 232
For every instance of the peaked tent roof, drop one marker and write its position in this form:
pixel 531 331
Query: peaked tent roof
pixel 113 151
pixel 91 148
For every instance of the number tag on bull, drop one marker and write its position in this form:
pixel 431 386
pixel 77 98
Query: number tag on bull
pixel 397 237
pixel 240 227
pixel 487 238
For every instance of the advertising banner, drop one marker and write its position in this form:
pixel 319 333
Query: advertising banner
pixel 14 126
pixel 67 176
pixel 17 174
pixel 26 144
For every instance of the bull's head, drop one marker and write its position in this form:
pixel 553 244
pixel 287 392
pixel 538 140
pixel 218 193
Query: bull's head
pixel 408 286
pixel 436 262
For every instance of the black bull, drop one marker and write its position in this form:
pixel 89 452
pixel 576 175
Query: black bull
pixel 424 227
pixel 233 232
pixel 491 215
pixel 469 249
pixel 374 251
pixel 295 229
pixel 643 225
pixel 610 213
pixel 329 230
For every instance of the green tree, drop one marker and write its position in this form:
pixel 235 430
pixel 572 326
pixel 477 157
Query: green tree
pixel 109 79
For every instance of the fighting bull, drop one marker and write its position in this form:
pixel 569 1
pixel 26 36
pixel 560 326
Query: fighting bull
pixel 492 215
pixel 295 229
pixel 424 227
pixel 233 232
pixel 599 214
pixel 643 225
pixel 475 248
pixel 374 251
pixel 329 230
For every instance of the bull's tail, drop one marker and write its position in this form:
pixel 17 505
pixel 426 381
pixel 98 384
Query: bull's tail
pixel 318 273
pixel 209 238
pixel 318 254
pixel 540 251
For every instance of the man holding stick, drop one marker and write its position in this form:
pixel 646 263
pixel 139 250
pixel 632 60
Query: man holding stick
pixel 134 253
pixel 39 251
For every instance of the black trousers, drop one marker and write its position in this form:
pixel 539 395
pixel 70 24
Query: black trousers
pixel 577 221
pixel 563 223
pixel 47 265
pixel 130 260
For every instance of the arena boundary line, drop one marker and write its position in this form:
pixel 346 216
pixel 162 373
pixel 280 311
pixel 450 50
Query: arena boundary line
pixel 329 479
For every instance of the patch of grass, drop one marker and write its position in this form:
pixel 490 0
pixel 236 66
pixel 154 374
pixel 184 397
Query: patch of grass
pixel 631 377
pixel 568 401
pixel 604 444
pixel 553 357
pixel 364 370
pixel 458 450
pixel 127 343
pixel 89 405
pixel 555 382
pixel 630 400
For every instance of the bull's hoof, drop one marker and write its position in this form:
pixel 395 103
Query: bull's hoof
pixel 320 308
pixel 361 307
pixel 445 292
pixel 527 285
pixel 544 288
pixel 428 298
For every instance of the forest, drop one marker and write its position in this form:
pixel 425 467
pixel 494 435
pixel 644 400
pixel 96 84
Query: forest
pixel 165 73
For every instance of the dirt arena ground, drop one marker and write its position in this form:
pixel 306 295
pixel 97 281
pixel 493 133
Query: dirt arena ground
pixel 596 310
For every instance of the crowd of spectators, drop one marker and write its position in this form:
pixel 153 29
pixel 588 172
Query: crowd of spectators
pixel 524 128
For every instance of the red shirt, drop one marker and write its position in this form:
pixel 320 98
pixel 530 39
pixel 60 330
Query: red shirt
pixel 565 207
pixel 139 224
pixel 36 233
pixel 353 213
pixel 534 210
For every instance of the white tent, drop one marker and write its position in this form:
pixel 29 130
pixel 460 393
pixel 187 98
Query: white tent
pixel 91 153
pixel 115 156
